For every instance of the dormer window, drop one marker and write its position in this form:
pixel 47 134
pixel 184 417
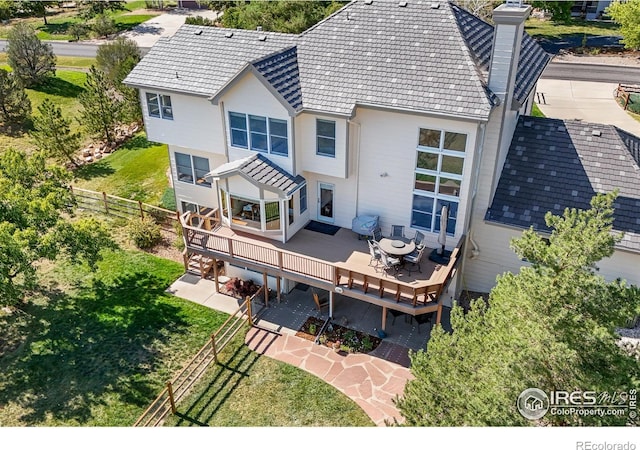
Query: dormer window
pixel 159 106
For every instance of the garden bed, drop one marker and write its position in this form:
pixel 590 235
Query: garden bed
pixel 338 337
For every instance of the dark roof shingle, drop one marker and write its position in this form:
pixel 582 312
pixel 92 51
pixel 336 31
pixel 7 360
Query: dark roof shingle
pixel 555 164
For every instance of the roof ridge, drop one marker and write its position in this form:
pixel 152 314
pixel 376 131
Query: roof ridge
pixel 330 16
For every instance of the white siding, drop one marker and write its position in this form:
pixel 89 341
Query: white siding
pixel 388 142
pixel 307 159
pixel 189 192
pixel 249 96
pixel 344 198
pixel 196 123
pixel 496 257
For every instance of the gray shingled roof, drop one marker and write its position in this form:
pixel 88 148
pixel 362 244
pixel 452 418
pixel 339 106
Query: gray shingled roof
pixel 415 57
pixel 203 63
pixel 479 37
pixel 261 171
pixel 556 164
pixel 281 71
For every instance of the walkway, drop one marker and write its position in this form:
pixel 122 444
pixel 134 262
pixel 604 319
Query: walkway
pixel 371 382
pixel 589 101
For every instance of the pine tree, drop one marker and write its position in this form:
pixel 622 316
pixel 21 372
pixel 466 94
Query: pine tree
pixel 32 61
pixel 101 106
pixel 15 106
pixel 52 133
pixel 551 326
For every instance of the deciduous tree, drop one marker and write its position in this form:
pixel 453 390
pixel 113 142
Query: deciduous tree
pixel 52 133
pixel 32 61
pixel 551 326
pixel 15 106
pixel 37 8
pixel 627 14
pixel 117 58
pixel 35 200
pixel 103 25
pixel 560 10
pixel 101 106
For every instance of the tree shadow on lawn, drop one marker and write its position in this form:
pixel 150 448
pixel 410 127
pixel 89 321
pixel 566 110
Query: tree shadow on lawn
pixel 96 169
pixel 138 142
pixel 105 339
pixel 59 87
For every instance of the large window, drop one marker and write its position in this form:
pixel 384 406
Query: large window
pixel 159 106
pixel 192 169
pixel 326 138
pixel 438 178
pixel 262 134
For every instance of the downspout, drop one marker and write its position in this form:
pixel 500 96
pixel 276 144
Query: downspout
pixel 357 162
pixel 224 130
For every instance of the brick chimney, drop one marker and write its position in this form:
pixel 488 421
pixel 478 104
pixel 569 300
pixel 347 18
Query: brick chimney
pixel 509 21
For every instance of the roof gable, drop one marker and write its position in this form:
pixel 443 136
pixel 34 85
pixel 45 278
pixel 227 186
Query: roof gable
pixel 555 164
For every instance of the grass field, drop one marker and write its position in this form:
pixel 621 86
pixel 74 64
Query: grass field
pixel 535 111
pixel 63 90
pixel 136 171
pixel 59 21
pixel 94 348
pixel 538 28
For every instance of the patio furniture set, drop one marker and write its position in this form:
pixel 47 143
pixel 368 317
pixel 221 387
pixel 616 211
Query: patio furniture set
pixel 395 251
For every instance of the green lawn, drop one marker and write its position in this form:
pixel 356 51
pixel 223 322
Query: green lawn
pixel 63 91
pixel 255 391
pixel 136 171
pixel 95 348
pixel 58 24
pixel 538 28
pixel 535 111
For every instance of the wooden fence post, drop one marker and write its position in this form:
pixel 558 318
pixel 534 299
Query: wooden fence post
pixel 171 399
pixel 106 202
pixel 141 210
pixel 249 313
pixel 213 347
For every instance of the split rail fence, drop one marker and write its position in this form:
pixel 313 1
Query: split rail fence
pixel 112 205
pixel 184 380
pixel 624 91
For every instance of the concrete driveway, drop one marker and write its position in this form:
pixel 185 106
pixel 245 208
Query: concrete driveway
pixel 589 101
pixel 165 25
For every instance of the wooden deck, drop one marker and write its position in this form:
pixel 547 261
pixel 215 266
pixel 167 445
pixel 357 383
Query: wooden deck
pixel 337 263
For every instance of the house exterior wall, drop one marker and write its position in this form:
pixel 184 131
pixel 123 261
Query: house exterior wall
pixel 307 159
pixel 388 145
pixel 196 123
pixel 344 198
pixel 249 96
pixel 189 192
pixel 496 257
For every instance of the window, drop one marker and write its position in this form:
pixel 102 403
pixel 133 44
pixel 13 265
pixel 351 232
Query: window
pixel 303 199
pixel 159 106
pixel 326 138
pixel 258 133
pixel 438 178
pixel 192 168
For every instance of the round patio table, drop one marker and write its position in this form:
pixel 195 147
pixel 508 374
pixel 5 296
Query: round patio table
pixel 397 246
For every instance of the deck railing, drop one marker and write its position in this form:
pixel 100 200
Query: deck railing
pixel 427 292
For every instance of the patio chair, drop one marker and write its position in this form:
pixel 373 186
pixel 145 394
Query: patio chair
pixel 415 257
pixel 374 251
pixel 418 239
pixel 320 303
pixel 424 318
pixel 377 234
pixel 389 262
pixel 397 231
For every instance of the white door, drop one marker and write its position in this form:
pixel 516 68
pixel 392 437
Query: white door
pixel 325 202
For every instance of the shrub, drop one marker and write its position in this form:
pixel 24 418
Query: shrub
pixel 179 242
pixel 199 20
pixel 145 233
pixel 241 288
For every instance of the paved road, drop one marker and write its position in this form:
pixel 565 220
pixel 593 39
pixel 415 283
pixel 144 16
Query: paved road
pixel 592 72
pixel 63 48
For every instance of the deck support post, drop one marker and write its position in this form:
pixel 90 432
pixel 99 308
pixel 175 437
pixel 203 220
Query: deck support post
pixel 331 304
pixel 216 288
pixel 278 288
pixel 384 318
pixel 265 288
